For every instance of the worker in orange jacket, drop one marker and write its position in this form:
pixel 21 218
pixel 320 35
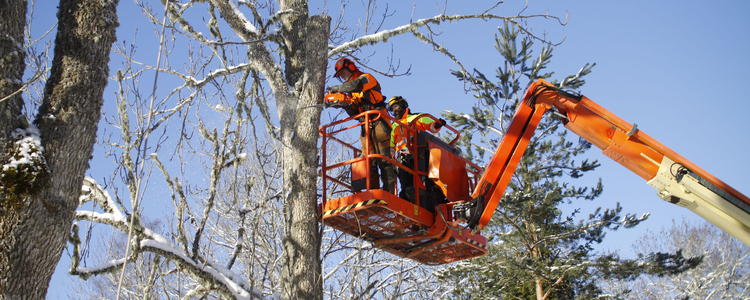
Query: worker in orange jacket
pixel 400 109
pixel 365 94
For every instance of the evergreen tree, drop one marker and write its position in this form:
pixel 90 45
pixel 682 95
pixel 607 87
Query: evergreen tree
pixel 536 249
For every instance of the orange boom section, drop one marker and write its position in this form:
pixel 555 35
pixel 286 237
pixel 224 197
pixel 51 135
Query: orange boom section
pixel 676 179
pixel 399 226
pixel 438 233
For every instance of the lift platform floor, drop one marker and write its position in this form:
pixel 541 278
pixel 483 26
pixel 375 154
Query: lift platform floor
pixel 401 227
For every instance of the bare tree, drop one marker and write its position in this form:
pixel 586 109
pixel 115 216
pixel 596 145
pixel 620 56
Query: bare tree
pixel 354 269
pixel 44 164
pixel 724 273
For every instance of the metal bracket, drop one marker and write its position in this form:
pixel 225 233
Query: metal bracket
pixel 633 130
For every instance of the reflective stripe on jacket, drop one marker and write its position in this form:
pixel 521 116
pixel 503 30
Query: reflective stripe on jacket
pixel 398 133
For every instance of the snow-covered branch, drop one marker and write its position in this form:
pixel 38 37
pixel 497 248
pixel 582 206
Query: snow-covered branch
pixel 262 60
pixel 21 175
pixel 92 191
pixel 210 274
pixel 384 35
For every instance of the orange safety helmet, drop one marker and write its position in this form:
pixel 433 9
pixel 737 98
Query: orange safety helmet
pixel 344 63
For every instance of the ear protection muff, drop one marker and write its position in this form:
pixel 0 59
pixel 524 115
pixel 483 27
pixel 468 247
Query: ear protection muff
pixel 344 63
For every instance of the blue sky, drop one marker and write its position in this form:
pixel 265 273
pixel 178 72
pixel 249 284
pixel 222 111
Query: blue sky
pixel 673 67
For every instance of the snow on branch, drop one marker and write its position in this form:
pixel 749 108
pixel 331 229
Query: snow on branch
pixel 216 73
pixel 249 27
pixel 91 191
pixel 248 32
pixel 103 268
pixel 383 36
pixel 211 275
pixel 263 60
pixel 190 82
pixel 175 13
pixel 26 165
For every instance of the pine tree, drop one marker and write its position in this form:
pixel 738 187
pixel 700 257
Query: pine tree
pixel 536 249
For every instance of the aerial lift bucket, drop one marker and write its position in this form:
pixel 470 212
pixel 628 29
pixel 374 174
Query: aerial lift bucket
pixel 389 222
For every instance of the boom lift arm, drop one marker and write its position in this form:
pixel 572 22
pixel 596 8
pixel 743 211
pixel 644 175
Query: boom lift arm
pixel 434 232
pixel 676 179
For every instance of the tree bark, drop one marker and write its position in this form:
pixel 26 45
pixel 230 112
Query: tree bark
pixel 539 288
pixel 301 272
pixel 12 66
pixel 12 55
pixel 34 235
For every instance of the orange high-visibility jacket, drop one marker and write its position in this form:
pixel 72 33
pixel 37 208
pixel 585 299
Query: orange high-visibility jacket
pixel 365 91
pixel 398 133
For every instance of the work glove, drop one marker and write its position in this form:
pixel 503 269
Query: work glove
pixel 439 124
pixel 329 90
pixel 403 156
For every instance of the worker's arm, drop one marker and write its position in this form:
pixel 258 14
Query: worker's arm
pixel 354 86
pixel 429 124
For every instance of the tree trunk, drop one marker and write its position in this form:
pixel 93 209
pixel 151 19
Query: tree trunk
pixel 34 235
pixel 12 66
pixel 301 271
pixel 539 286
